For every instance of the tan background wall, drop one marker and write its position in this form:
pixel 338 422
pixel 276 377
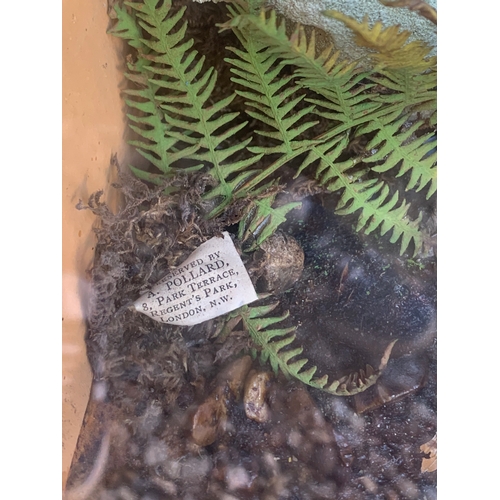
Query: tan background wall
pixel 93 127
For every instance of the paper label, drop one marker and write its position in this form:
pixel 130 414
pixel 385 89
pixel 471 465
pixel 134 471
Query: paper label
pixel 211 282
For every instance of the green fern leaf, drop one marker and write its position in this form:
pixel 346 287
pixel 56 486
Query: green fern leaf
pixel 269 97
pixel 346 103
pixel 145 116
pixel 325 74
pixel 413 91
pixel 369 197
pixel 345 99
pixel 126 27
pixel 147 120
pixel 171 113
pixel 261 220
pixel 378 211
pixel 179 71
pixel 398 147
pixel 271 101
pixel 273 344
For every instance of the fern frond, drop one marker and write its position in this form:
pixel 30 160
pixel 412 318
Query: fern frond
pixel 389 45
pixel 179 70
pixel 341 83
pixel 270 98
pixel 273 344
pixel 396 146
pixel 126 27
pixel 405 68
pixel 369 197
pixel 324 73
pixel 156 142
pixel 379 210
pixel 272 101
pixel 329 77
pixel 261 220
pixel 145 115
pixel 413 91
pixel 171 111
pixel 347 105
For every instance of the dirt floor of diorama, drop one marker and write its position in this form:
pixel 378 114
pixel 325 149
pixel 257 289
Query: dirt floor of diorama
pixel 178 413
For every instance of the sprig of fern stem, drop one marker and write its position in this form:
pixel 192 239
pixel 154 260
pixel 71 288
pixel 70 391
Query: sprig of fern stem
pixel 274 347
